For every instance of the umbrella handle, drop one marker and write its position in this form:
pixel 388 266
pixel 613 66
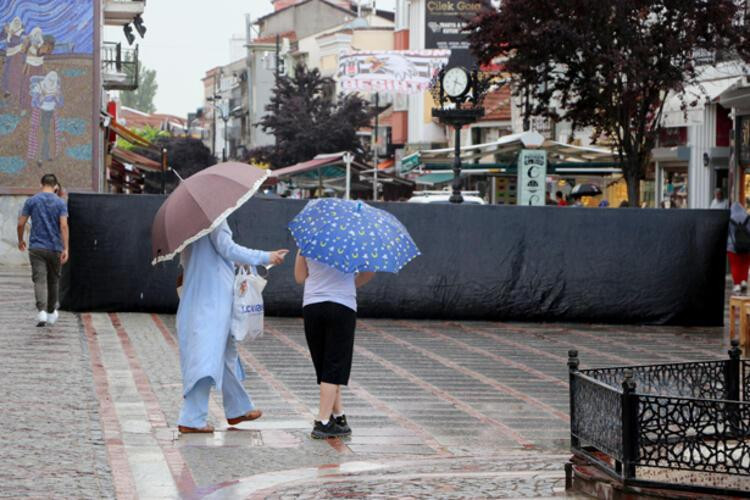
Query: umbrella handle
pixel 267 268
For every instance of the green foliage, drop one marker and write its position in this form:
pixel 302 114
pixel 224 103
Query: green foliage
pixel 608 64
pixel 306 121
pixel 149 133
pixel 141 98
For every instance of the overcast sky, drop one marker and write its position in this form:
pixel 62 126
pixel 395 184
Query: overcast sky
pixel 185 38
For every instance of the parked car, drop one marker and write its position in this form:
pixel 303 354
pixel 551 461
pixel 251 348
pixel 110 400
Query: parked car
pixel 470 197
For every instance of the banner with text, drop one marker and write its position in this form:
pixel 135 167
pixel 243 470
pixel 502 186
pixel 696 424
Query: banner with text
pixel 390 71
pixel 445 21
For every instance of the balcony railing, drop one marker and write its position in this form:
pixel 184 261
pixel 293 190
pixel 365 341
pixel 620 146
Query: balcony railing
pixel 119 67
pixel 120 12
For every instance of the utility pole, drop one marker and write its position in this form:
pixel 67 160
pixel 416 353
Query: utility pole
pixel 213 122
pixel 276 84
pixel 375 150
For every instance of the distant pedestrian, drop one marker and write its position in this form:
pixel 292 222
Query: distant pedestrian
pixel 560 199
pixel 719 201
pixel 329 309
pixel 738 246
pixel 48 246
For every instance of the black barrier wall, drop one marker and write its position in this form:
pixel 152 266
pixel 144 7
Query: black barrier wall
pixel 478 262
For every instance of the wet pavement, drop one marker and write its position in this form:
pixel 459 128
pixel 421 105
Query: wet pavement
pixel 438 408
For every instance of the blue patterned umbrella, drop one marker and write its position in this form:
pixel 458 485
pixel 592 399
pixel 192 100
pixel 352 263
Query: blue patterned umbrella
pixel 352 236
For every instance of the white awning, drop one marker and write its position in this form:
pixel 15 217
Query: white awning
pixel 695 98
pixel 507 147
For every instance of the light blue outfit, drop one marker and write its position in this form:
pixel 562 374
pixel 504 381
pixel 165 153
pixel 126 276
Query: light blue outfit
pixel 208 355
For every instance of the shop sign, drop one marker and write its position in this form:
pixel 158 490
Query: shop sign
pixel 410 162
pixel 444 22
pixel 532 177
pixel 744 145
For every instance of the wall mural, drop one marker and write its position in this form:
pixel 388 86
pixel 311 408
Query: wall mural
pixel 46 91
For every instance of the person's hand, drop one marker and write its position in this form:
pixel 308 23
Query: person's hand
pixel 22 246
pixel 64 257
pixel 277 256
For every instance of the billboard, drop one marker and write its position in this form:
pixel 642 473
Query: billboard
pixel 390 71
pixel 444 22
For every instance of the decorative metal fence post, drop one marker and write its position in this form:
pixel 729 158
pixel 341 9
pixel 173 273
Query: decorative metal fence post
pixel 732 372
pixel 572 370
pixel 732 385
pixel 629 426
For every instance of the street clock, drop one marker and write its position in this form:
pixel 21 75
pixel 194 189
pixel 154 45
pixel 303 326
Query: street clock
pixel 456 82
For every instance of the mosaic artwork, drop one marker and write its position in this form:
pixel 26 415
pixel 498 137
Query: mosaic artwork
pixel 46 91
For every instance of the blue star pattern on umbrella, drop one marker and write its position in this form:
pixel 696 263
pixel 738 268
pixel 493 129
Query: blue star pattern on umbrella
pixel 352 236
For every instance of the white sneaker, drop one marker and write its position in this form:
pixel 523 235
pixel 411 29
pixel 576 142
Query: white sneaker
pixel 736 289
pixel 41 318
pixel 52 318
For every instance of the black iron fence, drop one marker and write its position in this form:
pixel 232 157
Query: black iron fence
pixel 678 425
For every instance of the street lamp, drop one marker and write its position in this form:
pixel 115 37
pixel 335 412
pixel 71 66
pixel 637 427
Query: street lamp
pixel 348 159
pixel 225 119
pixel 465 90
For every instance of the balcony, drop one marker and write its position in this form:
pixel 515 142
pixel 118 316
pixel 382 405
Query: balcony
pixel 119 67
pixel 121 12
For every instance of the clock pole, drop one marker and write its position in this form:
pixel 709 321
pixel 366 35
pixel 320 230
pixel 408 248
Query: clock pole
pixel 458 116
pixel 456 197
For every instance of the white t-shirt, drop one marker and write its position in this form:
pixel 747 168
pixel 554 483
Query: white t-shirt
pixel 723 204
pixel 326 284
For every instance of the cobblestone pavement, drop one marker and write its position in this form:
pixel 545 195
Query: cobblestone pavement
pixel 438 408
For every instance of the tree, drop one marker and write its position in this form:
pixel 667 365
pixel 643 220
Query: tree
pixel 306 121
pixel 184 154
pixel 608 64
pixel 141 98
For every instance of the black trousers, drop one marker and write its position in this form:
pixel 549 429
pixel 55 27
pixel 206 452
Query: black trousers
pixel 329 330
pixel 45 273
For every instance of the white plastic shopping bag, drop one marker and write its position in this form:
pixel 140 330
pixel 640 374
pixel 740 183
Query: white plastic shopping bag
pixel 247 308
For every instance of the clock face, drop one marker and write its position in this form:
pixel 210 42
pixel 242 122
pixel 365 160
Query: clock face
pixel 455 82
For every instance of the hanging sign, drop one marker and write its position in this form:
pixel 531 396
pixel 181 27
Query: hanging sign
pixel 532 175
pixel 390 71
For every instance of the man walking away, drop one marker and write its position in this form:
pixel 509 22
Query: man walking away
pixel 48 246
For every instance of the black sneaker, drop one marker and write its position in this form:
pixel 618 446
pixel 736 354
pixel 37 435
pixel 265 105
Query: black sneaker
pixel 341 421
pixel 330 430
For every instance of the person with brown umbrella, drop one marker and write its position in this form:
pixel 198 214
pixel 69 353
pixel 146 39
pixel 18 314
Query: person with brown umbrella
pixel 193 221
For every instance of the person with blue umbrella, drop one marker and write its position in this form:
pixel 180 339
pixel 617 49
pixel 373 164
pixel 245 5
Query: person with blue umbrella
pixel 342 244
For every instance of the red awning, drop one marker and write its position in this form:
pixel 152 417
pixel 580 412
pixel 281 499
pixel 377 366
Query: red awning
pixel 306 166
pixel 139 161
pixel 386 164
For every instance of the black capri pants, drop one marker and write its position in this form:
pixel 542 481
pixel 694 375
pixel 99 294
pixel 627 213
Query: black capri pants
pixel 329 331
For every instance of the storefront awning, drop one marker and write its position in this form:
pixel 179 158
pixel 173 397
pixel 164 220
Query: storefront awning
pixel 308 166
pixel 140 161
pixel 507 147
pixel 434 178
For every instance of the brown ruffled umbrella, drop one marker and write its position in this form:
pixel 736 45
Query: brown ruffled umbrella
pixel 199 204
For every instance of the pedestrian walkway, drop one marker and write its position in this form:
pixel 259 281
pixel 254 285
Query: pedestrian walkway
pixel 438 408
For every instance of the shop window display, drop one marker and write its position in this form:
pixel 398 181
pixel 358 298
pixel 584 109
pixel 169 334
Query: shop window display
pixel 674 188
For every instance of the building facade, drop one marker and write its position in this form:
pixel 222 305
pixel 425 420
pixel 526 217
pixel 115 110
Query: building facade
pixel 56 69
